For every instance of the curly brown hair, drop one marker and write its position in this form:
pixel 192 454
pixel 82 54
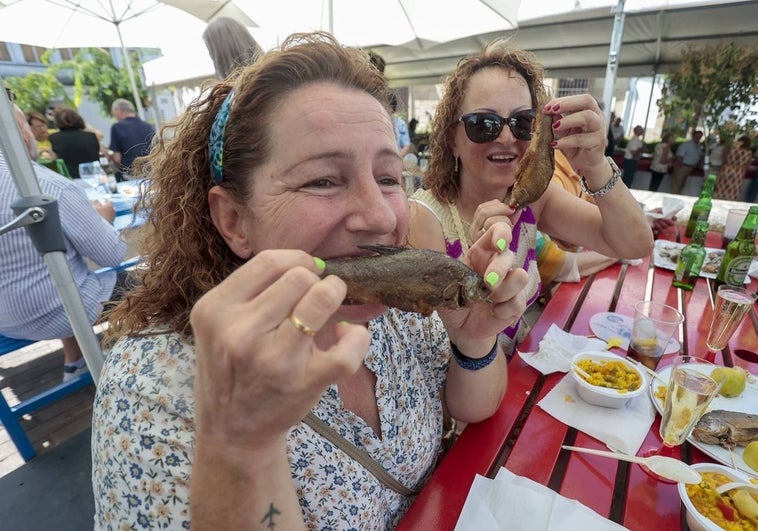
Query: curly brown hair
pixel 185 254
pixel 440 177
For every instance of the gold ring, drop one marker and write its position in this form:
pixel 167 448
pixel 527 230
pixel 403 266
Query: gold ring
pixel 301 326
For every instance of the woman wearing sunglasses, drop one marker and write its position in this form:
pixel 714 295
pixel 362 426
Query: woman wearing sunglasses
pixel 480 132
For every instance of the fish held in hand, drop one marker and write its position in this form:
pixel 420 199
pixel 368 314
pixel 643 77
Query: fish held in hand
pixel 412 280
pixel 727 428
pixel 535 169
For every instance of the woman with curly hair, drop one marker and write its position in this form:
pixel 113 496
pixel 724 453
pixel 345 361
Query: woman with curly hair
pixel 233 346
pixel 480 132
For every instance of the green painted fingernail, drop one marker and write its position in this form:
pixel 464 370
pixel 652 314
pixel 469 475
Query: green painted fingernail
pixel 501 244
pixel 492 278
pixel 320 264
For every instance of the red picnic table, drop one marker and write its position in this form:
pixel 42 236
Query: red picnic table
pixel 527 440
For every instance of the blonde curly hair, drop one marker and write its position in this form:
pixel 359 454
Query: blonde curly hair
pixel 185 254
pixel 441 178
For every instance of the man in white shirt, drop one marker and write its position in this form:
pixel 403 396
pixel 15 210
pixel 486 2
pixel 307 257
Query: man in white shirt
pixel 632 155
pixel 688 156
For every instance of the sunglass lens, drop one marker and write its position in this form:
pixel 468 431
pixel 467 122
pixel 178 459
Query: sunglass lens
pixel 482 128
pixel 521 125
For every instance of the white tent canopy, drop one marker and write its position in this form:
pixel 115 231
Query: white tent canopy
pixel 576 43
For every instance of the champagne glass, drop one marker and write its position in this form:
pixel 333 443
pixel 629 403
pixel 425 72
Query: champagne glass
pixel 690 391
pixel 731 306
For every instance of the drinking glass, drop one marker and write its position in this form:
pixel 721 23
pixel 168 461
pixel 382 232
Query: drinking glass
pixel 653 326
pixel 690 391
pixel 732 303
pixel 734 219
pixel 94 175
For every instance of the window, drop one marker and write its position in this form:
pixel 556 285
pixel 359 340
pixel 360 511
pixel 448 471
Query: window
pixel 5 55
pixel 32 54
pixel 571 86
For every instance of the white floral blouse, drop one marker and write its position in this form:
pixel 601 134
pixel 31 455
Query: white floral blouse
pixel 143 432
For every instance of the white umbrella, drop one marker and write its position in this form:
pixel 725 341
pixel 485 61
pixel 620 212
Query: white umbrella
pixel 110 23
pixel 375 22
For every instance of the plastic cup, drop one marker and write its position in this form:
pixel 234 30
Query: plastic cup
pixel 734 219
pixel 653 326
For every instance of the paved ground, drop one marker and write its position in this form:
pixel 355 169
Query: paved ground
pixel 27 372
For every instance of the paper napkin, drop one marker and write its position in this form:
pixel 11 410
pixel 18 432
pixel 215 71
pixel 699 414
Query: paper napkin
pixel 517 503
pixel 557 348
pixel 622 429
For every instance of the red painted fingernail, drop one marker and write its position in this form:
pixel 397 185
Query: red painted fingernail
pixel 547 107
pixel 556 106
pixel 557 124
pixel 553 143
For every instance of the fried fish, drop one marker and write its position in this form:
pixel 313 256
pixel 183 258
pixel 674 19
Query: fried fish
pixel 727 428
pixel 535 169
pixel 413 280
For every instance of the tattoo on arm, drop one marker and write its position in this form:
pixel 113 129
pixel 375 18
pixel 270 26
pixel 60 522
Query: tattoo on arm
pixel 268 518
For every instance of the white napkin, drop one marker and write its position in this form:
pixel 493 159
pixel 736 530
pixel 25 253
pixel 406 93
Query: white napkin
pixel 669 207
pixel 517 503
pixel 622 429
pixel 557 348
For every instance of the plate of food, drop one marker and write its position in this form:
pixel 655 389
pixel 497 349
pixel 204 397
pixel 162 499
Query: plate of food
pixel 729 421
pixel 666 255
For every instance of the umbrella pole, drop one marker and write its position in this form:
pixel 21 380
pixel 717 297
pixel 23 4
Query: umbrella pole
pixel 130 73
pixel 43 227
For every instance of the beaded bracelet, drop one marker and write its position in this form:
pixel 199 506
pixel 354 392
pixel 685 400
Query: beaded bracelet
pixel 473 364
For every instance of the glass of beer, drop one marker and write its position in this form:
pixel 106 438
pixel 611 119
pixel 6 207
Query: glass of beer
pixel 653 326
pixel 732 303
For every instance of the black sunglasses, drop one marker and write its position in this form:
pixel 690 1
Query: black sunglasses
pixel 484 127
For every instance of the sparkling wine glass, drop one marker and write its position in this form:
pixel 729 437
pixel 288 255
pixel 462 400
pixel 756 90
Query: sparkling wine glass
pixel 690 391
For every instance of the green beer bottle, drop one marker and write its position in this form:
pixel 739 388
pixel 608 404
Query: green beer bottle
pixel 702 207
pixel 740 251
pixel 691 258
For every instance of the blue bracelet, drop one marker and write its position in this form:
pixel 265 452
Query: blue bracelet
pixel 473 364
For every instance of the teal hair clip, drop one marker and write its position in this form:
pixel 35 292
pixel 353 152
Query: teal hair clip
pixel 216 141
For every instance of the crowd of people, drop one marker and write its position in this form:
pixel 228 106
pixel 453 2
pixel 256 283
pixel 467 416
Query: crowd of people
pixel 230 345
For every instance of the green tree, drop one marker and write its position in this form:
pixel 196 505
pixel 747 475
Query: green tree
pixel 36 90
pixel 716 86
pixel 96 76
pixel 93 74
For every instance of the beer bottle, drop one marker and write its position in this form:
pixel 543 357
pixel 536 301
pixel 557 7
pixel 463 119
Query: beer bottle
pixel 702 207
pixel 691 258
pixel 740 251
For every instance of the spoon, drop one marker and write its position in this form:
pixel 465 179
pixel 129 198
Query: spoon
pixel 666 467
pixel 737 485
pixel 584 374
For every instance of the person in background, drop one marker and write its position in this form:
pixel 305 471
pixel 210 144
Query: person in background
pixel 38 123
pixel 481 130
pixel 716 155
pixel 72 142
pixel 402 136
pixel 130 137
pixel 689 154
pixel 732 175
pixel 230 45
pixel 632 154
pixel 412 124
pixel 30 307
pixel 659 166
pixel 234 335
pixel 617 130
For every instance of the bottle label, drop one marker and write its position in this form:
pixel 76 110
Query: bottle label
pixel 737 270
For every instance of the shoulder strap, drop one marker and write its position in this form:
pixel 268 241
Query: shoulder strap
pixel 368 462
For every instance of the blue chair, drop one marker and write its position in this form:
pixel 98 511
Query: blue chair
pixel 10 415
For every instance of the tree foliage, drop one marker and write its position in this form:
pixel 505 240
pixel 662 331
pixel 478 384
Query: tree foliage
pixel 715 86
pixel 93 74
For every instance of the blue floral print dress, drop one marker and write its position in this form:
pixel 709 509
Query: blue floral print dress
pixel 143 432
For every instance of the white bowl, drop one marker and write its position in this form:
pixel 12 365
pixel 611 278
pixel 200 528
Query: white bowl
pixel 695 520
pixel 604 396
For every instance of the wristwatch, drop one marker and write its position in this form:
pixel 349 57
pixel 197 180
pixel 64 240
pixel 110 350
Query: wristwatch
pixel 617 173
